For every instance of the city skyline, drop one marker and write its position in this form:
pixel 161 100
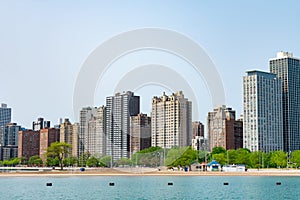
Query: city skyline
pixel 45 43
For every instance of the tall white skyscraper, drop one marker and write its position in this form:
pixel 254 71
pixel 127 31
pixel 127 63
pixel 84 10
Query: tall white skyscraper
pixel 262 107
pixel 5 115
pixel 287 69
pixel 171 119
pixel 119 108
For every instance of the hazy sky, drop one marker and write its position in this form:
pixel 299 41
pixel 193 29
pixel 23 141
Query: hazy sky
pixel 43 45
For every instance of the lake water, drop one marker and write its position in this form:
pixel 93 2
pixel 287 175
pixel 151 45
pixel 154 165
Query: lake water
pixel 150 187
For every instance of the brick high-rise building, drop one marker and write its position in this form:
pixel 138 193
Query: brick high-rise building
pixel 140 133
pixel 47 136
pixel 28 144
pixel 220 127
pixel 238 134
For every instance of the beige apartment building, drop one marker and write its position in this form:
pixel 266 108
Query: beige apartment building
pixel 69 134
pixel 171 119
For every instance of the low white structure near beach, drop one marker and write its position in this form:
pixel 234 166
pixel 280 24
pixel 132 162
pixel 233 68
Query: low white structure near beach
pixel 234 168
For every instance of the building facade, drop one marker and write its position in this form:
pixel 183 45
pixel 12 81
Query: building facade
pixel 5 115
pixel 8 152
pixel 40 124
pixel 9 134
pixel 9 141
pixel 28 143
pixel 220 128
pixel 287 69
pixel 200 143
pixel 119 108
pixel 85 116
pixel 140 133
pixel 69 134
pixel 238 134
pixel 197 129
pixel 262 112
pixel 96 139
pixel 47 137
pixel 171 121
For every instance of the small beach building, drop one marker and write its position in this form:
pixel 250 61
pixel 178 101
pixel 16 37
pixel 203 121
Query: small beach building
pixel 213 166
pixel 234 168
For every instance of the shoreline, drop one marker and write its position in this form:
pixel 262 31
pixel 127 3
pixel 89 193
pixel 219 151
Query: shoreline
pixel 118 172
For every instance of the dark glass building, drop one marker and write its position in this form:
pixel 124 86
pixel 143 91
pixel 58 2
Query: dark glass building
pixel 287 69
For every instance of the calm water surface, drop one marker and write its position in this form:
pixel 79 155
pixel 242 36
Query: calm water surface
pixel 150 187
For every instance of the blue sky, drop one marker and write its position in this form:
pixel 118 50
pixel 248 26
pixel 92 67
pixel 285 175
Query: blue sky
pixel 43 45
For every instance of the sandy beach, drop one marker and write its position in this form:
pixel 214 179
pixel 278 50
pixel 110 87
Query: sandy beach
pixel 148 172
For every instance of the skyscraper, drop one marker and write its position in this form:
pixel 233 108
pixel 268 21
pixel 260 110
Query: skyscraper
pixel 140 133
pixel 119 108
pixel 197 129
pixel 85 116
pixel 40 124
pixel 96 140
pixel 9 134
pixel 262 107
pixel 238 134
pixel 287 69
pixel 171 119
pixel 9 141
pixel 5 115
pixel 220 127
pixel 69 134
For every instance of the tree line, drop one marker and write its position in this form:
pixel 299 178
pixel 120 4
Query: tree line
pixel 58 154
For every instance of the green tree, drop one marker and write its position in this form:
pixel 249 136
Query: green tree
pixel 92 162
pixel 278 159
pixel 202 156
pixel 71 161
pixel 256 159
pixel 232 155
pixel 35 161
pixel 59 150
pixel 295 158
pixel 83 158
pixel 52 162
pixel 124 161
pixel 243 157
pixel 106 161
pixel 220 158
pixel 217 150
